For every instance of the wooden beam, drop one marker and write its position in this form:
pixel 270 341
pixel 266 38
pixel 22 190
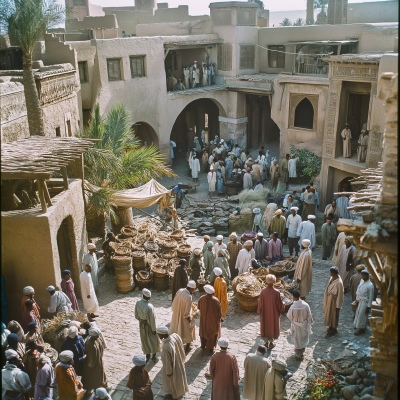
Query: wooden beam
pixel 65 177
pixel 46 194
pixel 24 175
pixel 41 196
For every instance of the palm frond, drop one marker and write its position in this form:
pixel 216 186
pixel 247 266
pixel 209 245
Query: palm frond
pixel 100 203
pixel 96 128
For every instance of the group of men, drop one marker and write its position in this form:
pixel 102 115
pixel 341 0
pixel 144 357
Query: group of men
pixel 362 143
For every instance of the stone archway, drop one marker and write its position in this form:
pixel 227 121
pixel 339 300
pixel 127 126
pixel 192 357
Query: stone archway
pixel 298 99
pixel 145 133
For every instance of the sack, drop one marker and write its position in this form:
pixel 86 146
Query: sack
pixel 349 262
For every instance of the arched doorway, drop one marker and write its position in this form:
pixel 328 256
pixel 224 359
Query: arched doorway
pixel 345 184
pixel 199 114
pixel 145 133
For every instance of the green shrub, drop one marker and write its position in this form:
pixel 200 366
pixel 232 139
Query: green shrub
pixel 309 165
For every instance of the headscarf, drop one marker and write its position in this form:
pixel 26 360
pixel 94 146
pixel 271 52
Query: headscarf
pixel 28 290
pixel 94 331
pixel 360 267
pixel 73 332
pixel 66 356
pixel 210 244
pixel 233 235
pixel 139 360
pixel 162 330
pixel 10 354
pixel 191 284
pixel 306 242
pixel 248 243
pixel 223 342
pixel 177 187
pixel 32 325
pixel 146 292
pixel 50 288
pixel 91 246
pixel 66 272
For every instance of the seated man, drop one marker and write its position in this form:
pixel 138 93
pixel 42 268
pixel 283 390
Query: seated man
pixel 275 249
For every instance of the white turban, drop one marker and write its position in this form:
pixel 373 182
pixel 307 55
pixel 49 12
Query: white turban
pixel 197 252
pixel 209 289
pixel 209 244
pixel 139 359
pixel 294 208
pixel 279 364
pixel 44 358
pixel 223 342
pixel 306 242
pixel 248 243
pixel 94 331
pixel 91 246
pixel 66 356
pixel 72 331
pixel 28 290
pixel 211 167
pixel 75 323
pixel 192 284
pixel 217 271
pixel 256 211
pixel 101 393
pixel 162 330
pixel 50 288
pixel 311 217
pixel 220 237
pixel 270 278
pixel 260 234
pixel 10 354
pixel 146 292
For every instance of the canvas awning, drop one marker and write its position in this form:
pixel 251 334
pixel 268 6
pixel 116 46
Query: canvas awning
pixel 144 196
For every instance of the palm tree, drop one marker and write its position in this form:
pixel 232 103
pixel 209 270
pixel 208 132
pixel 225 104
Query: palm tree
pixel 320 4
pixel 26 21
pixel 116 161
pixel 286 22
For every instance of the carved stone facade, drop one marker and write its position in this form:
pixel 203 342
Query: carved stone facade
pixel 246 17
pixel 55 88
pixel 295 99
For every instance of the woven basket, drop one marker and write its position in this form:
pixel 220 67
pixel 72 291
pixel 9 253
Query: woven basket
pixel 123 251
pixel 245 278
pixel 136 247
pixel 159 267
pixel 161 283
pixel 184 250
pixel 125 286
pixel 169 255
pixel 150 246
pixel 247 301
pixel 289 296
pixel 122 262
pixel 128 232
pixel 123 276
pixel 282 268
pixel 177 234
pixel 144 282
pixel 169 244
pixel 161 235
pixel 138 260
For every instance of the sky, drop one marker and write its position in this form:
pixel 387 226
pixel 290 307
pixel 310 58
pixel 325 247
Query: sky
pixel 200 7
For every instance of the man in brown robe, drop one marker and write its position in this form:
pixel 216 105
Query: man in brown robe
pixel 139 380
pixel 270 308
pixel 68 384
pixel 180 278
pixel 29 316
pixel 224 372
pixel 303 272
pixel 210 319
pixel 233 248
pixel 93 374
pixel 333 301
pixel 274 172
pixel 204 161
pixel 30 362
pixel 29 293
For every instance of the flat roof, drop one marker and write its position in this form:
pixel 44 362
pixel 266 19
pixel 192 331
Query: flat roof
pixel 231 4
pixel 326 42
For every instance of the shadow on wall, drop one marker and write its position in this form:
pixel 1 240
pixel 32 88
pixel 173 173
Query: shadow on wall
pixel 145 133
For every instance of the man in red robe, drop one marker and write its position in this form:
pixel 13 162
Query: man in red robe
pixel 224 372
pixel 210 319
pixel 29 293
pixel 29 316
pixel 270 308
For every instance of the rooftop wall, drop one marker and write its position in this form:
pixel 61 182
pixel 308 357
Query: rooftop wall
pixel 175 28
pixel 105 22
pixel 377 11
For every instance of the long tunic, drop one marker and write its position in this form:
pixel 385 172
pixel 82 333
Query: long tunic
pixel 293 223
pixel 195 168
pixel 139 379
pixel 209 257
pixel 346 135
pixel 307 231
pixel 77 346
pixel 180 279
pixel 225 377
pixel 44 378
pixel 244 259
pixel 328 232
pixel 220 182
pixel 68 384
pixel 343 202
pixel 59 302
pixel 310 201
pixel 303 272
pixel 335 212
pixel 68 288
pixel 229 169
pixel 221 293
pixel 292 164
pixel 275 249
pixel 145 313
pixel 333 299
pixel 27 317
pixel 274 173
pixel 91 305
pixel 364 296
pixel 210 318
pixel 12 378
pixel 92 260
pixel 285 171
pixel 182 309
pixel 270 308
pixel 338 246
pixel 36 312
pixel 211 179
pixel 222 263
pixel 255 368
pixel 362 148
pixel 274 385
pixel 258 224
pixel 343 255
pixel 30 362
pixel 301 320
pixel 247 181
pixel 204 162
pixel 233 249
pixel 278 224
pixel 354 282
pixel 261 249
pixel 197 266
pixel 173 360
pixel 93 373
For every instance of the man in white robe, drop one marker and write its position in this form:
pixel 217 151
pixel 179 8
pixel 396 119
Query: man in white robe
pixel 293 222
pixel 343 202
pixel 88 293
pixel 292 164
pixel 211 179
pixel 338 246
pixel 182 321
pixel 346 136
pixel 347 254
pixel 219 245
pixel 59 301
pixel 258 223
pixel 362 146
pixel 247 180
pixel 90 258
pixel 301 320
pixel 244 257
pixel 306 230
pixel 256 366
pixel 171 146
pixel 174 382
pixel 195 168
pixel 303 272
pixel 275 381
pixel 364 298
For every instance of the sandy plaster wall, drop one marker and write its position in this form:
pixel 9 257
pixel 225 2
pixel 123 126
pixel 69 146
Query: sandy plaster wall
pixel 29 247
pixel 378 11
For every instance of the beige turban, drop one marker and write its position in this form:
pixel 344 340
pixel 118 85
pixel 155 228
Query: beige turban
pixel 270 278
pixel 360 267
pixel 248 243
pixel 196 252
pixel 278 212
pixel 206 237
pixel 91 246
pixel 233 235
pixel 279 364
pixel 349 238
pixel 306 243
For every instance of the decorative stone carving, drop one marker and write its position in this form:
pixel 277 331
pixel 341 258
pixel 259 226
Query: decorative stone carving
pixel 221 17
pixel 12 106
pixel 331 115
pixel 295 99
pixel 375 140
pixel 328 150
pixel 246 17
pixel 53 88
pixel 373 159
pixel 353 71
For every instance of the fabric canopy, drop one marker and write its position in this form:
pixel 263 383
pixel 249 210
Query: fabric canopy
pixel 144 196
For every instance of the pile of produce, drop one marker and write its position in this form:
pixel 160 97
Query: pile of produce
pixel 57 327
pixel 246 278
pixel 284 267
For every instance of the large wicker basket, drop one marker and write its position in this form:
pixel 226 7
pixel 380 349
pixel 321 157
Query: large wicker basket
pixel 245 278
pixel 289 296
pixel 169 254
pixel 138 260
pixel 122 262
pixel 161 283
pixel 248 302
pixel 282 268
pixel 127 232
pixel 144 279
pixel 184 251
pixel 159 267
pixel 177 234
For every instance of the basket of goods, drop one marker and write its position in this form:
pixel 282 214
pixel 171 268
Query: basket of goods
pixel 57 327
pixel 177 234
pixel 138 260
pixel 262 271
pixel 278 285
pixel 169 254
pixel 150 257
pixel 172 264
pixel 127 232
pixel 144 279
pixel 123 251
pixel 201 282
pixel 245 278
pixel 289 284
pixel 282 268
pixel 249 235
pixel 136 247
pixel 287 299
pixel 161 235
pixel 150 246
pixel 168 244
pixel 184 251
pixel 247 295
pixel 159 267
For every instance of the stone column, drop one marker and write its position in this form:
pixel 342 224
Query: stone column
pixel 310 10
pixel 235 129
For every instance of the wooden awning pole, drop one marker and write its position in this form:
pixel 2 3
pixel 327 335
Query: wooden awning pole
pixel 41 196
